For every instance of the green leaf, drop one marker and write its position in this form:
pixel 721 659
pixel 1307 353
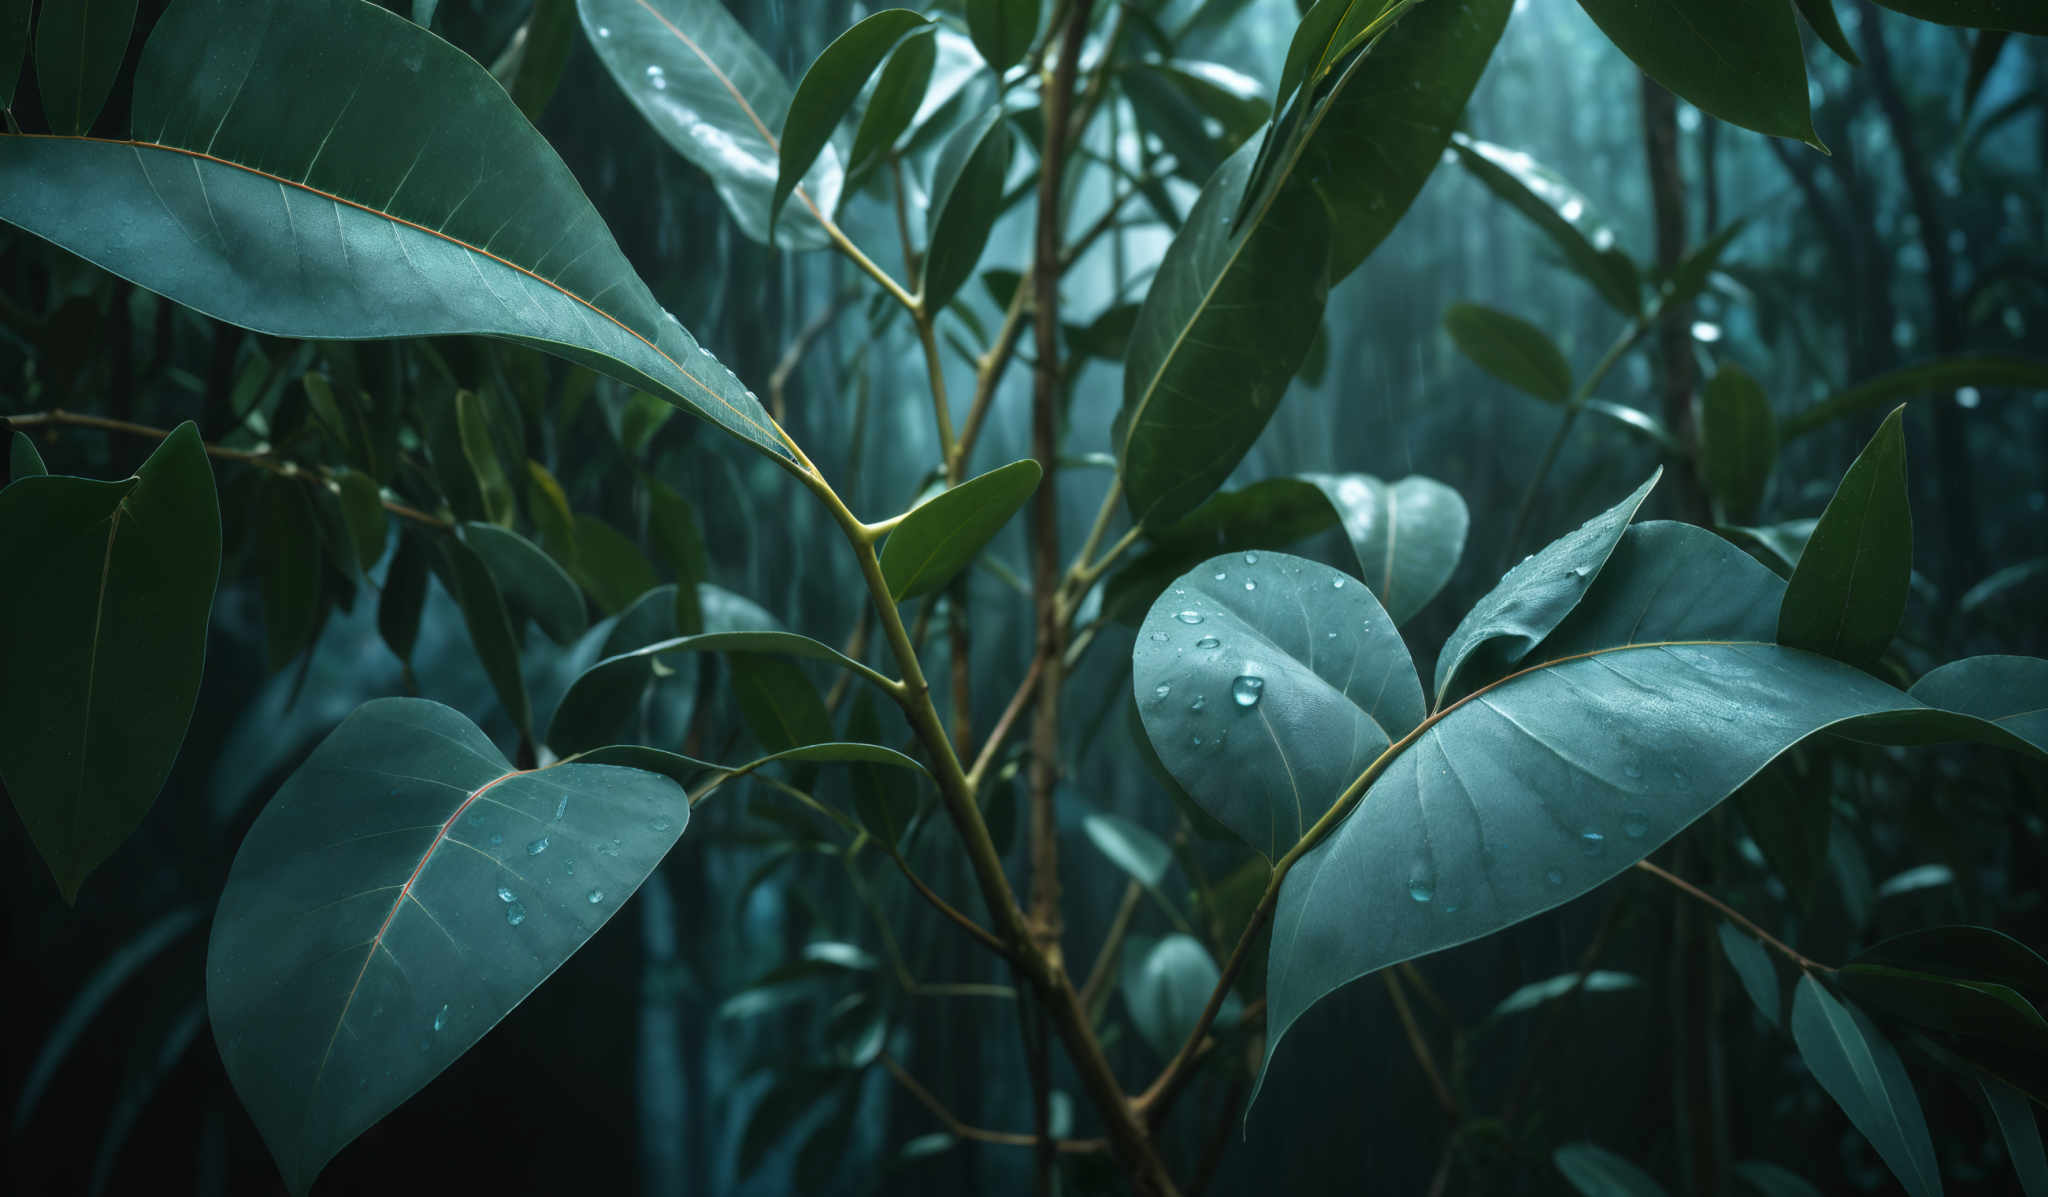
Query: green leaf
pixel 1563 213
pixel 22 459
pixel 476 593
pixel 14 23
pixel 938 537
pixel 604 705
pixel 1967 953
pixel 1511 349
pixel 2013 16
pixel 1532 599
pixel 679 542
pixel 2022 1134
pixel 1266 682
pixel 1269 514
pixel 404 597
pixel 549 508
pixel 290 560
pixel 1687 45
pixel 534 587
pixel 79 48
pixel 1790 819
pixel 1692 273
pixel 714 96
pixel 1636 421
pixel 102 642
pixel 1131 848
pixel 884 807
pixel 1200 111
pixel 609 565
pixel 540 52
pixel 1753 968
pixel 1943 376
pixel 1777 545
pixel 1408 535
pixel 1946 1004
pixel 1534 994
pixel 1596 1172
pixel 1165 988
pixel 404 890
pixel 2011 692
pixel 1002 30
pixel 406 197
pixel 480 450
pixel 1848 592
pixel 898 95
pixel 1862 1072
pixel 1820 17
pixel 780 705
pixel 827 92
pixel 1738 441
pixel 967 197
pixel 362 508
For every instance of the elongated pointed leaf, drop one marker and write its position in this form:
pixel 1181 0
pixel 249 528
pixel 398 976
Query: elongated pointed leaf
pixel 1597 1172
pixel 898 95
pixel 480 450
pixel 1002 30
pixel 1687 45
pixel 828 90
pixel 1943 377
pixel 1532 599
pixel 1267 682
pixel 404 890
pixel 533 586
pixel 1820 17
pixel 2011 692
pixel 102 642
pixel 489 624
pixel 405 197
pixel 1511 349
pixel 1753 968
pixel 1200 111
pixel 942 535
pixel 79 48
pixel 362 508
pixel 1738 441
pixel 1408 535
pixel 1562 212
pixel 1967 953
pixel 22 459
pixel 1848 592
pixel 2013 16
pixel 1534 994
pixel 717 99
pixel 967 197
pixel 1131 848
pixel 14 23
pixel 2022 1132
pixel 1862 1072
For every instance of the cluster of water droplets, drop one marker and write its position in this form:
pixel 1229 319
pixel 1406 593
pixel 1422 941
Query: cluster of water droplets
pixel 515 911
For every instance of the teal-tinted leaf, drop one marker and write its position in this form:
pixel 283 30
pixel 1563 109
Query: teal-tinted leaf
pixel 14 22
pixel 642 416
pixel 884 806
pixel 1769 1180
pixel 406 197
pixel 1943 376
pixel 1635 420
pixel 423 12
pixel 1790 820
pixel 1947 1004
pixel 1269 514
pixel 1200 111
pixel 1692 273
pixel 534 587
pixel 1777 545
pixel 1408 535
pixel 290 561
pixel 1511 349
pixel 479 449
pixel 2011 692
pixel 938 538
pixel 1266 683
pixel 404 890
pixel 549 508
pixel 1753 967
pixel 678 768
pixel 2022 1134
pixel 830 751
pixel 606 703
pixel 22 459
pixel 362 509
pixel 967 197
pixel 1531 600
pixel 1966 953
pixel 1129 847
pixel 1848 592
pixel 898 95
pixel 1738 441
pixel 489 624
pixel 1597 1172
pixel 102 642
pixel 1859 1069
pixel 778 701
pixel 609 565
pixel 716 98
pixel 1687 45
pixel 679 542
pixel 1563 213
pixel 1002 30
pixel 2013 16
pixel 1928 876
pixel 1165 989
pixel 404 597
pixel 541 51
pixel 1820 17
pixel 1985 51
pixel 79 48
pixel 1534 994
pixel 828 90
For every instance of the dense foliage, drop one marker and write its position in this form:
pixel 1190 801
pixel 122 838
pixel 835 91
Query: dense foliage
pixel 373 635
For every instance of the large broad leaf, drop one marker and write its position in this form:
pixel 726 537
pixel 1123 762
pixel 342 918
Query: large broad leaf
pixel 79 48
pixel 1657 697
pixel 1848 592
pixel 1200 111
pixel 1408 534
pixel 1693 47
pixel 828 89
pixel 404 890
pixel 102 641
pixel 938 538
pixel 1943 376
pixel 1738 441
pixel 399 194
pixel 1511 349
pixel 1266 683
pixel 716 97
pixel 2011 692
pixel 1269 514
pixel 2014 16
pixel 1862 1072
pixel 1562 212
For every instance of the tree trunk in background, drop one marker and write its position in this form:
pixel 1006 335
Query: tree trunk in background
pixel 1677 371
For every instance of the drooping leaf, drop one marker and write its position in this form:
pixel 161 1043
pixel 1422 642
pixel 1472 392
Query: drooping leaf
pixel 79 48
pixel 1532 599
pixel 22 459
pixel 1962 1006
pixel 1200 111
pixel 1597 1172
pixel 1943 376
pixel 940 536
pixel 1563 213
pixel 716 98
pixel 1820 17
pixel 2013 16
pixel 1686 45
pixel 1511 349
pixel 404 890
pixel 1858 1067
pixel 102 642
pixel 898 95
pixel 533 586
pixel 489 623
pixel 362 508
pixel 1848 593
pixel 1535 993
pixel 828 90
pixel 2011 692
pixel 967 197
pixel 1753 968
pixel 1738 441
pixel 2022 1133
pixel 1267 682
pixel 1408 535
pixel 406 197
pixel 1165 988
pixel 1002 30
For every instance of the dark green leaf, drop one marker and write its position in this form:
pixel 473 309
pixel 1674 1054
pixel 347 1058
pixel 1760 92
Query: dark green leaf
pixel 780 705
pixel 533 586
pixel 1753 967
pixel 2011 692
pixel 79 48
pixel 1408 535
pixel 2014 16
pixel 22 459
pixel 1820 17
pixel 1966 953
pixel 884 805
pixel 1596 1172
pixel 1636 421
pixel 827 92
pixel 1511 349
pixel 940 536
pixel 1862 1072
pixel 1848 592
pixel 1738 441
pixel 1269 514
pixel 898 95
pixel 604 705
pixel 1691 274
pixel 14 22
pixel 1777 545
pixel 479 449
pixel 1947 1004
pixel 549 508
pixel 102 642
pixel 1687 45
pixel 1943 376
pixel 405 595
pixel 1200 111
pixel 609 565
pixel 1790 820
pixel 542 50
pixel 484 614
pixel 1002 30
pixel 1563 213
pixel 290 561
pixel 404 890
pixel 967 197
pixel 362 508
pixel 2022 1134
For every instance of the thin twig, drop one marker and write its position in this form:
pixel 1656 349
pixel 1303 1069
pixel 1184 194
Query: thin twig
pixel 799 346
pixel 1804 962
pixel 959 1129
pixel 1004 724
pixel 1419 1045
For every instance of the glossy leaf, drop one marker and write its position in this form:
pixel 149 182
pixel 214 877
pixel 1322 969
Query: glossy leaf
pixel 2022 1133
pixel 939 537
pixel 1862 1072
pixel 1634 420
pixel 2013 16
pixel 2011 692
pixel 1848 593
pixel 898 95
pixel 1597 1172
pixel 1511 349
pixel 1408 535
pixel 1165 988
pixel 1200 111
pixel 1820 17
pixel 1753 967
pixel 533 586
pixel 1002 30
pixel 1269 514
pixel 828 90
pixel 489 623
pixel 102 642
pixel 1562 212
pixel 1943 376
pixel 404 890
pixel 1738 441
pixel 22 459
pixel 1266 683
pixel 406 197
pixel 716 98
pixel 1531 600
pixel 967 197
pixel 79 48
pixel 1686 45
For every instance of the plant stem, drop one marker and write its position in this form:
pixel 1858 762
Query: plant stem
pixel 1630 334
pixel 962 1130
pixel 1419 1045
pixel 1735 916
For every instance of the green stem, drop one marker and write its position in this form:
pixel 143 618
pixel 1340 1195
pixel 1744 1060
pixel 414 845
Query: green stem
pixel 1632 333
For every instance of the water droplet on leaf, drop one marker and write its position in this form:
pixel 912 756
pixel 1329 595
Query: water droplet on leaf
pixel 537 846
pixel 594 896
pixel 1246 690
pixel 1635 824
pixel 1208 642
pixel 515 914
pixel 504 895
pixel 1592 841
pixel 441 1019
pixel 1189 617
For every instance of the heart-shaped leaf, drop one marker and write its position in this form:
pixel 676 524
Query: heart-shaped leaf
pixel 1859 1069
pixel 1408 535
pixel 1848 592
pixel 940 536
pixel 404 890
